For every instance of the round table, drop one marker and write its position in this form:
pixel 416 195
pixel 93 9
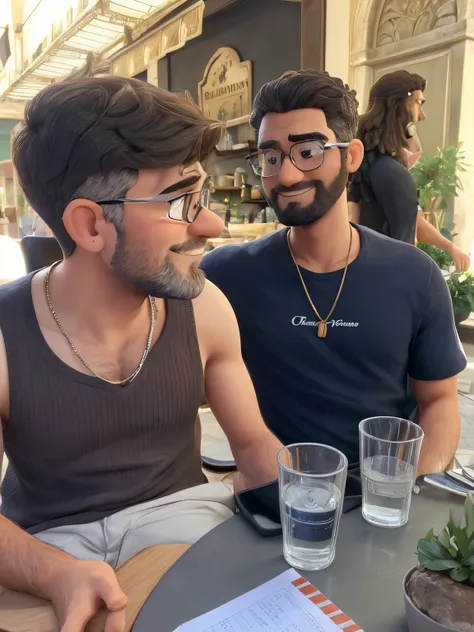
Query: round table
pixel 365 580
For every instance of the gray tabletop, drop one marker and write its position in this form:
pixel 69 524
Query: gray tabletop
pixel 365 580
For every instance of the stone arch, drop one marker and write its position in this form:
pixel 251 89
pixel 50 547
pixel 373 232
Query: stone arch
pixel 360 72
pixel 361 27
pixel 402 19
pixel 378 23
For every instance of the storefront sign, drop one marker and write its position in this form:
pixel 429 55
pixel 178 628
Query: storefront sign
pixel 225 92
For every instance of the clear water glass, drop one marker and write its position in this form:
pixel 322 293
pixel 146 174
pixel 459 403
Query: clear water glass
pixel 312 481
pixel 389 454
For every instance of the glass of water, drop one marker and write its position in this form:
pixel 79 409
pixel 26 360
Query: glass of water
pixel 389 453
pixel 312 481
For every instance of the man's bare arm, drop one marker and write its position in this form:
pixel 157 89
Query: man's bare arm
pixel 230 392
pixel 77 589
pixel 440 420
pixel 26 564
pixel 426 233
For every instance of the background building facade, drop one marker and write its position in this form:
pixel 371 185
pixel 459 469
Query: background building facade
pixel 169 43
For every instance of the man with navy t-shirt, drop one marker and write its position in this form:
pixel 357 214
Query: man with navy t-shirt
pixel 338 323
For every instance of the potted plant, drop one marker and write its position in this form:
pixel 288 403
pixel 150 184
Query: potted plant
pixel 461 285
pixel 439 592
pixel 443 260
pixel 461 288
pixel 437 180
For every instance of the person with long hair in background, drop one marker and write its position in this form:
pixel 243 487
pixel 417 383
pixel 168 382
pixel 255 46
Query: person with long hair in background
pixel 383 194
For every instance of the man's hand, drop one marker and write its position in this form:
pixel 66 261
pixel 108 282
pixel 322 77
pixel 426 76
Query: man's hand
pixel 77 589
pixel 426 233
pixel 462 261
pixel 80 590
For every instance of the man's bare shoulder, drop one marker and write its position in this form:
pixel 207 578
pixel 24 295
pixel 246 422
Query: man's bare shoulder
pixel 216 324
pixel 211 303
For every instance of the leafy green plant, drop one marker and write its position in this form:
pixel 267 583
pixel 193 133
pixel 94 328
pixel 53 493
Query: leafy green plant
pixel 461 288
pixel 443 260
pixel 460 284
pixel 452 551
pixel 437 180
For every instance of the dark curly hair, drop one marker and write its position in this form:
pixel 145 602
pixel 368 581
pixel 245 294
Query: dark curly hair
pixel 383 126
pixel 301 89
pixel 86 127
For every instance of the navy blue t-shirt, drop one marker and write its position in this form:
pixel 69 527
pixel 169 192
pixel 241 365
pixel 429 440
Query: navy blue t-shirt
pixel 393 321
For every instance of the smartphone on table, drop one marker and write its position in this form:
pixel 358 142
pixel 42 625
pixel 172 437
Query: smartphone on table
pixel 260 506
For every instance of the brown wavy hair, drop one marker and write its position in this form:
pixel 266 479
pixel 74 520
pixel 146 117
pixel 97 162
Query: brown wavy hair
pixel 87 127
pixel 383 126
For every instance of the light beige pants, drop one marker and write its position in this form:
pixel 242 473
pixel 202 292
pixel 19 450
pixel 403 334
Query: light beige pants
pixel 182 518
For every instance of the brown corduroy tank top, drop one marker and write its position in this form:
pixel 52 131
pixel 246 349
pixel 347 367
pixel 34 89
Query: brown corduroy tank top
pixel 80 449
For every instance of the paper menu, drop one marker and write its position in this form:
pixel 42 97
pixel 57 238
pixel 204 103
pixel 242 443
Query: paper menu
pixel 287 603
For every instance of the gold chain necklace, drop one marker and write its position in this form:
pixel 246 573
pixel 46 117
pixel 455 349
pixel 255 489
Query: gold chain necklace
pixel 133 375
pixel 323 322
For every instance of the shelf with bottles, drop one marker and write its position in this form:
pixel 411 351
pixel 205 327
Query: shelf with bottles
pixel 240 214
pixel 236 195
pixel 239 152
pixel 214 188
pixel 237 141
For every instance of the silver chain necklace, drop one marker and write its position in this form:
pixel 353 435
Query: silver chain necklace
pixel 133 375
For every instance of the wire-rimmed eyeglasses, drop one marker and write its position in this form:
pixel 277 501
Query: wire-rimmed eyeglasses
pixel 305 155
pixel 184 207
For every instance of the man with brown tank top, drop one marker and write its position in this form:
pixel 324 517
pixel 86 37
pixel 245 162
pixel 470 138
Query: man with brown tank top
pixel 106 357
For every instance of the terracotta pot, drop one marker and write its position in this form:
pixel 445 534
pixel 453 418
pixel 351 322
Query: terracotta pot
pixel 417 620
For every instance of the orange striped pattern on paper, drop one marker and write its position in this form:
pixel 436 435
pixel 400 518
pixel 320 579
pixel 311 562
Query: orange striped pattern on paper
pixel 325 605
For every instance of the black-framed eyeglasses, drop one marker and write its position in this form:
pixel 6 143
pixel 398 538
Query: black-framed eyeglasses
pixel 184 207
pixel 305 155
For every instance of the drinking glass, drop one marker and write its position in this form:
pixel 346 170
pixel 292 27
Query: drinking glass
pixel 312 480
pixel 389 453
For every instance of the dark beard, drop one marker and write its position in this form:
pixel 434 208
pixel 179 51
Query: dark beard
pixel 324 199
pixel 161 282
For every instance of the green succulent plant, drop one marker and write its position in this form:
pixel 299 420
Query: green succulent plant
pixel 452 551
pixel 438 181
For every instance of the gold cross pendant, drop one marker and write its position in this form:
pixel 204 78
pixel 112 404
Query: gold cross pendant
pixel 322 329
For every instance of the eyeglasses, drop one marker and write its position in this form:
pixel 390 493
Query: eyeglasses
pixel 182 208
pixel 305 155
